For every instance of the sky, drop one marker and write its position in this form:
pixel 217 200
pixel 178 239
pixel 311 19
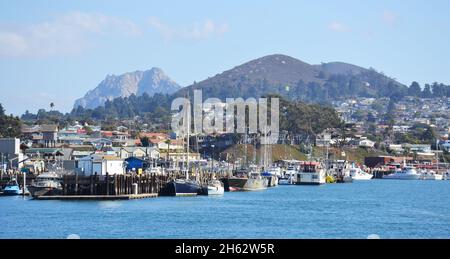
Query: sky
pixel 57 50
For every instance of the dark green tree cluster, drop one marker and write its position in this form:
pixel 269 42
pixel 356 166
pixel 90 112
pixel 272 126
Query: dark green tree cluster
pixel 420 134
pixel 366 84
pixel 434 90
pixel 301 118
pixel 155 109
pixel 10 126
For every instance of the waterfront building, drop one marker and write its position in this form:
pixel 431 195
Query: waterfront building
pixel 100 165
pixel 10 154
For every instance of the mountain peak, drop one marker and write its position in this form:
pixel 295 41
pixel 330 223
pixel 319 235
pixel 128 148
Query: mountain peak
pixel 293 78
pixel 150 81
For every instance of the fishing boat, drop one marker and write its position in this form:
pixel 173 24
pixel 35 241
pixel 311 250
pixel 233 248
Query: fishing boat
pixel 272 174
pixel 256 182
pixel 181 187
pixel 245 180
pixel 311 173
pixel 446 175
pixel 357 174
pixel 46 184
pixel 214 187
pixel 407 173
pixel 290 176
pixel 272 180
pixel 12 188
pixel 430 175
pixel 274 170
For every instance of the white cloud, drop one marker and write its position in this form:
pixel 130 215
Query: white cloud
pixel 389 18
pixel 66 35
pixel 196 31
pixel 338 27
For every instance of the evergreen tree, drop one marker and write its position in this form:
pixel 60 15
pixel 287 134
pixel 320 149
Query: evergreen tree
pixel 426 93
pixel 414 89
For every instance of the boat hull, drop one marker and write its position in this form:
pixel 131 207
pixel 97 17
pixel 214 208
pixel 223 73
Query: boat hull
pixel 215 190
pixel 236 184
pixel 310 179
pixel 11 191
pixel 247 184
pixel 433 177
pixel 256 184
pixel 403 177
pixel 44 191
pixel 181 188
pixel 272 180
pixel 286 181
pixel 362 177
pixel 309 183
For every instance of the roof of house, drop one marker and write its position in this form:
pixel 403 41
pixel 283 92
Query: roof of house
pixel 49 128
pixel 101 157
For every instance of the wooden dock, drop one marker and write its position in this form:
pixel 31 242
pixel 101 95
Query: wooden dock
pixel 99 197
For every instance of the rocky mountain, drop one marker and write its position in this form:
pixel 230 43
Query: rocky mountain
pixel 295 79
pixel 139 82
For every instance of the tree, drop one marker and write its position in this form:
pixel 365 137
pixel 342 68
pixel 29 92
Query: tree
pixel 414 89
pixel 88 130
pixel 2 111
pixel 426 93
pixel 10 126
pixel 52 105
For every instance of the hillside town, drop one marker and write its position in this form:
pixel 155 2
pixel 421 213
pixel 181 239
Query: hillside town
pixel 80 146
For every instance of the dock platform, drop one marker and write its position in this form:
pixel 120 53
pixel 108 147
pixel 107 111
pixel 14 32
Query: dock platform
pixel 99 197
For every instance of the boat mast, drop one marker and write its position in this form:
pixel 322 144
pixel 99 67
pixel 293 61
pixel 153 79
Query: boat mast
pixel 245 148
pixel 188 125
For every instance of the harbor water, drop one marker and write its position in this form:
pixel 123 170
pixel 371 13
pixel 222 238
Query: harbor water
pixel 380 208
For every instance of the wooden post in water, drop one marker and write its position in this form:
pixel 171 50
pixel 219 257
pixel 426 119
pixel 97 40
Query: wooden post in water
pixel 107 183
pixel 24 183
pixel 91 185
pixel 65 184
pixel 76 184
pixel 115 184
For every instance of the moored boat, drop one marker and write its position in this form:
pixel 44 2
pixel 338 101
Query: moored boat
pixel 46 184
pixel 289 177
pixel 12 188
pixel 358 174
pixel 407 173
pixel 181 187
pixel 431 175
pixel 215 187
pixel 311 173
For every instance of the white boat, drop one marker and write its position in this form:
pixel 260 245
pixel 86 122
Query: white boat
pixel 215 187
pixel 407 173
pixel 446 175
pixel 290 176
pixel 358 174
pixel 311 173
pixel 274 170
pixel 46 184
pixel 431 175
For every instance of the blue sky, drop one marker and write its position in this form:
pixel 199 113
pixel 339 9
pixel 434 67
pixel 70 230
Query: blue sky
pixel 55 51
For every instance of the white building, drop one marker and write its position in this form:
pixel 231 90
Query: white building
pixel 101 164
pixel 10 154
pixel 366 143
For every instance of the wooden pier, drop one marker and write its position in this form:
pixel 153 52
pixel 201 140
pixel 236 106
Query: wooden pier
pixel 111 187
pixel 99 197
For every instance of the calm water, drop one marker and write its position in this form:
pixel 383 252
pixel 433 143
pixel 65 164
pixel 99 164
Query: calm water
pixel 387 208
